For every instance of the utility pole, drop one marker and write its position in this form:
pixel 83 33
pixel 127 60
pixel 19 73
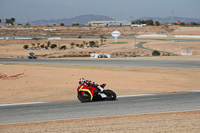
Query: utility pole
pixel 135 41
pixel 134 37
pixel 172 18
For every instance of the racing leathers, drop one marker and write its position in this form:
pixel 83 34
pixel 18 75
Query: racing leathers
pixel 88 82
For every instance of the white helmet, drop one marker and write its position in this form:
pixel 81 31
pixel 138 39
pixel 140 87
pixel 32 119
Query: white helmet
pixel 81 80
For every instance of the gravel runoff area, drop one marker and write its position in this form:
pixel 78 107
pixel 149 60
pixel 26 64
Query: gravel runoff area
pixel 177 122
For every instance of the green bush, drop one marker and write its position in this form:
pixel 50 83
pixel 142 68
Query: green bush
pixel 92 43
pixel 53 45
pixel 42 46
pixel 63 47
pixel 33 44
pixel 72 44
pixel 62 24
pixel 81 46
pixel 155 53
pixel 48 43
pixel 77 45
pixel 25 46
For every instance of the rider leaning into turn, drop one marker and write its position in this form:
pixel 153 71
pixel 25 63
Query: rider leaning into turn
pixel 84 82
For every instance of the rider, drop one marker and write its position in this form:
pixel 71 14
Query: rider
pixel 84 82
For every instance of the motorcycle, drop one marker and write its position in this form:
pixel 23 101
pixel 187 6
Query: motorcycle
pixel 31 56
pixel 90 93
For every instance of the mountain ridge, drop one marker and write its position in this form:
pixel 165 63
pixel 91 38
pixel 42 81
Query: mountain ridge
pixel 170 19
pixel 84 19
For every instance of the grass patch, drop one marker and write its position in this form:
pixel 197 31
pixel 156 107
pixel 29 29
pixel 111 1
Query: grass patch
pixel 8 63
pixel 118 42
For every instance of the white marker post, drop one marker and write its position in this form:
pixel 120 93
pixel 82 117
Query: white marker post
pixel 116 34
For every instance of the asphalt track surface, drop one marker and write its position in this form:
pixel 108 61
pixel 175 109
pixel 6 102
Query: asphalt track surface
pixel 132 105
pixel 185 64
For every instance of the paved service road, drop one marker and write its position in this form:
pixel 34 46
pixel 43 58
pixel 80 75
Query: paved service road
pixel 186 64
pixel 132 105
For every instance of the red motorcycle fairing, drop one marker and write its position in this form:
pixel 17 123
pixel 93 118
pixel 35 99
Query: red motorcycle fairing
pixel 89 88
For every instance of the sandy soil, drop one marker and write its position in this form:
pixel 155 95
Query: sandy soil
pixel 14 48
pixel 175 47
pixel 181 122
pixel 187 31
pixel 43 83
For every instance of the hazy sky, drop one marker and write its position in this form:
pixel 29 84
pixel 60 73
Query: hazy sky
pixel 22 10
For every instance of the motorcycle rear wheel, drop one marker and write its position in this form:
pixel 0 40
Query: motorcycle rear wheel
pixel 110 94
pixel 84 98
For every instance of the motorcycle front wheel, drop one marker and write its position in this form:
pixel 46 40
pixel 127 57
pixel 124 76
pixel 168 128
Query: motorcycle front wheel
pixel 84 96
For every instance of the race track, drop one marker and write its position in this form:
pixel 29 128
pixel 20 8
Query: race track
pixel 186 64
pixel 132 105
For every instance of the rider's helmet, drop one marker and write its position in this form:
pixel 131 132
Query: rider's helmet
pixel 81 80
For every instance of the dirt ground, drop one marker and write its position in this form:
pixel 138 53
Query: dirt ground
pixel 14 48
pixel 186 31
pixel 175 47
pixel 180 122
pixel 45 83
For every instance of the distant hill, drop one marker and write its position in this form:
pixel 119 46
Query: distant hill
pixel 83 19
pixel 169 19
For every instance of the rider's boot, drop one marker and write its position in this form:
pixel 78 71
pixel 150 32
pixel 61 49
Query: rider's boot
pixel 100 88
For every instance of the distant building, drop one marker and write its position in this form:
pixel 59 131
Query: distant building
pixel 181 23
pixel 178 22
pixel 139 25
pixel 109 23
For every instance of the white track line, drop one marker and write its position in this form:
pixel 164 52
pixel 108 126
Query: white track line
pixel 136 95
pixel 195 91
pixel 16 104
